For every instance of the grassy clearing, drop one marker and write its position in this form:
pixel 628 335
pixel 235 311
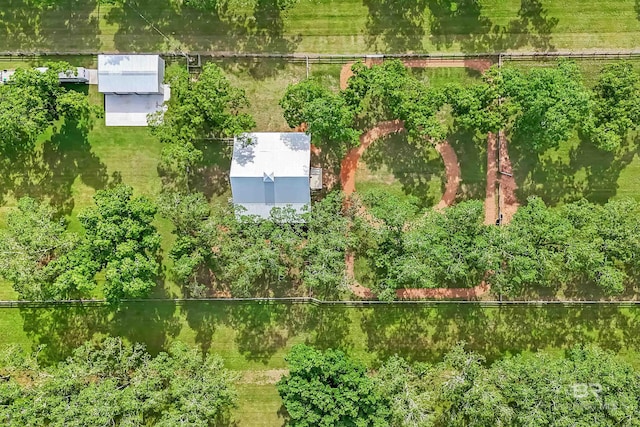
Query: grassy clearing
pixel 254 337
pixel 577 169
pixel 397 166
pixel 346 26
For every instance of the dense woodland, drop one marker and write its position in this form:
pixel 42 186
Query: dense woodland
pixel 579 244
pixel 585 386
pixel 115 383
pixel 118 384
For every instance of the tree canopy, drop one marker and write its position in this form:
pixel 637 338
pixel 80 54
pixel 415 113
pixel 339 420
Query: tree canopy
pixel 32 240
pixel 579 243
pixel 31 102
pixel 281 252
pixel 540 107
pixel 328 118
pixel 328 389
pixel 200 109
pixel 616 106
pixel 44 261
pixel 584 386
pixel 115 383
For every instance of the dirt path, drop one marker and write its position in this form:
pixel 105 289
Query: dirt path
pixel 452 167
pixel 490 200
pixel 508 200
pixel 350 162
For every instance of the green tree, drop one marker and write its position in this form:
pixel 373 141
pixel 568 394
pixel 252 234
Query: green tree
pixel 115 383
pixel 329 389
pixel 32 102
pixel 586 387
pixel 201 109
pixel 452 248
pixel 480 107
pixel 326 246
pixel 532 249
pixel 389 92
pixel 410 397
pixel 379 236
pixel 120 237
pixel 328 119
pixel 616 106
pixel 539 108
pixel 191 253
pixel 550 103
pixel 29 247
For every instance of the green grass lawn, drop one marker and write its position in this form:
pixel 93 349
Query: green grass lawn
pixel 345 26
pixel 255 337
pixel 396 166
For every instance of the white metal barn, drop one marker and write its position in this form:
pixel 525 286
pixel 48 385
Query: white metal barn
pixel 130 74
pixel 271 169
pixel 133 88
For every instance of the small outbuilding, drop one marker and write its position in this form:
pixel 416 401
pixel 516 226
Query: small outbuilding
pixel 130 74
pixel 269 170
pixel 133 88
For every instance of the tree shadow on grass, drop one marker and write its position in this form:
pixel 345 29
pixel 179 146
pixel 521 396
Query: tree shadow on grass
pixel 413 164
pixel 395 25
pixel 211 176
pixel 67 25
pixel 472 157
pixel 63 328
pixel 223 28
pixel 421 333
pixel 330 327
pixel 463 22
pixel 48 172
pixel 584 172
pixel 263 329
pixel 66 156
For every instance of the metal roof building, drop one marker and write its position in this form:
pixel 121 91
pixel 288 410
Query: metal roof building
pixel 130 74
pixel 271 169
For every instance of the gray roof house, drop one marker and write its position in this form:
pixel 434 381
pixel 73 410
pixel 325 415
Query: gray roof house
pixel 271 169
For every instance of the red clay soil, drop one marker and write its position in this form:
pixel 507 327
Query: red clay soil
pixel 350 162
pixel 452 168
pixel 490 200
pixel 508 200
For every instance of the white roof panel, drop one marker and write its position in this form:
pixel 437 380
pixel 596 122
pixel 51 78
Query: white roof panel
pixel 130 73
pixel 271 154
pixel 132 109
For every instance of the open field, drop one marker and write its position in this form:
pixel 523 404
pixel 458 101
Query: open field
pixel 254 337
pixel 331 26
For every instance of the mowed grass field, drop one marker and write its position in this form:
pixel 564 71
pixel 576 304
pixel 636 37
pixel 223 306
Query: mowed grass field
pixel 253 338
pixel 322 26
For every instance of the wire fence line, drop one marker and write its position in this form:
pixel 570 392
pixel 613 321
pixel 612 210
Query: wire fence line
pixel 344 58
pixel 316 302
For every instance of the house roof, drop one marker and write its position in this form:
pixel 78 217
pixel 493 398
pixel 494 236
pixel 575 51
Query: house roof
pixel 130 73
pixel 269 155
